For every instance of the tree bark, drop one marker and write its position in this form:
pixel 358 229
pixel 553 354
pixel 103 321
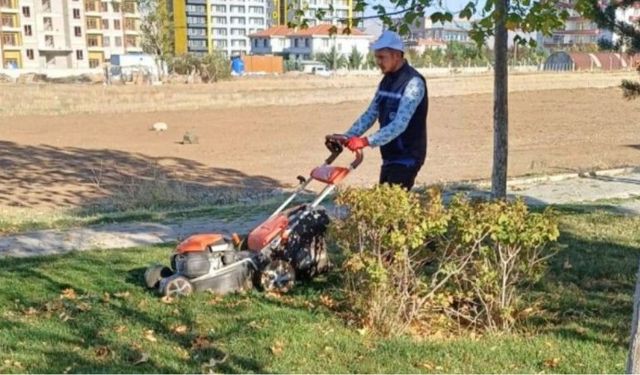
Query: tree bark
pixel 633 361
pixel 500 105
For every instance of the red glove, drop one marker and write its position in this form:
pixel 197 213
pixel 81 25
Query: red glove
pixel 356 143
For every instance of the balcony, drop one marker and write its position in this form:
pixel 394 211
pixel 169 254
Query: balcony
pixel 10 24
pixel 92 8
pixel 9 6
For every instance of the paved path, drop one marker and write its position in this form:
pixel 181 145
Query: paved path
pixel 615 184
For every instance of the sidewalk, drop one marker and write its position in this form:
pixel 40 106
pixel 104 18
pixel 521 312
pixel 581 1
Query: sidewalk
pixel 560 189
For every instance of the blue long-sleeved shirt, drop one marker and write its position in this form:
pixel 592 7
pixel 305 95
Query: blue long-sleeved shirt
pixel 413 95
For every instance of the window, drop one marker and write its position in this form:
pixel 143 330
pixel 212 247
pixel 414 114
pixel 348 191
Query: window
pixel 48 41
pixel 106 41
pixel 306 42
pixel 76 13
pixel 116 24
pixel 27 30
pixel 93 41
pixel 77 31
pixel 118 41
pixel 220 8
pixel 295 42
pixel 255 43
pixel 130 24
pixel 48 23
pixel 104 7
pixel 94 63
pixel 26 12
pixel 115 6
pixel 30 54
pixel 131 41
pixel 265 42
pixel 105 24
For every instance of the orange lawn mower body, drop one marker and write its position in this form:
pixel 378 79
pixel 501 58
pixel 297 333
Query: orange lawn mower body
pixel 289 244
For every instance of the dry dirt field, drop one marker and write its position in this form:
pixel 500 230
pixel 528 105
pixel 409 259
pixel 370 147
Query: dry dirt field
pixel 49 160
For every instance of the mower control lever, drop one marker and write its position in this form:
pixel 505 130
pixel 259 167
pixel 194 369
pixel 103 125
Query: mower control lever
pixel 335 144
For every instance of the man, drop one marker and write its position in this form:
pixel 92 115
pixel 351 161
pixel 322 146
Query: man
pixel 400 106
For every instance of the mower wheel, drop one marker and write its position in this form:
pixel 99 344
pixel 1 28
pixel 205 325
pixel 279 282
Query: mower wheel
pixel 279 276
pixel 155 273
pixel 176 286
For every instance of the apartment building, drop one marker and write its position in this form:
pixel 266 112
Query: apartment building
pixel 65 34
pixel 204 25
pixel 579 31
pixel 306 44
pixel 336 12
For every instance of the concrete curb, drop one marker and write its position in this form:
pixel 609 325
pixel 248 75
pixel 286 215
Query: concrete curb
pixel 519 181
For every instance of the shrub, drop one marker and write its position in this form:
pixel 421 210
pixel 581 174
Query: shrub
pixel 410 259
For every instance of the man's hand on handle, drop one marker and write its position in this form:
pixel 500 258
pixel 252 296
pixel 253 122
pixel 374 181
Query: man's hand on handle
pixel 357 143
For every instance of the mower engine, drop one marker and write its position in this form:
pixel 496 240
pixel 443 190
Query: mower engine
pixel 201 262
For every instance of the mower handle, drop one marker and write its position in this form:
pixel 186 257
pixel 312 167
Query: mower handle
pixel 335 143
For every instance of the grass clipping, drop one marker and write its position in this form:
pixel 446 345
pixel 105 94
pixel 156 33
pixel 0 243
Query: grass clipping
pixel 411 260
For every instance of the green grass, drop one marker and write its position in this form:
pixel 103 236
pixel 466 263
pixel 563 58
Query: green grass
pixel 585 301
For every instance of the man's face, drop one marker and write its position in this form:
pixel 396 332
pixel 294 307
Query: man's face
pixel 388 60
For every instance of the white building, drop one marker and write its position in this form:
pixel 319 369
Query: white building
pixel 337 12
pixel 233 21
pixel 66 34
pixel 580 31
pixel 305 44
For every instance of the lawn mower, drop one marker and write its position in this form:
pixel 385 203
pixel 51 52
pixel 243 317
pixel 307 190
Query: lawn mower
pixel 289 244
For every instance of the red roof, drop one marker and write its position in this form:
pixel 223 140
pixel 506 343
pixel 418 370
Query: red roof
pixel 322 29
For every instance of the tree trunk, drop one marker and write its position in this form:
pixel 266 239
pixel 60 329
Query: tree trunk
pixel 500 105
pixel 633 361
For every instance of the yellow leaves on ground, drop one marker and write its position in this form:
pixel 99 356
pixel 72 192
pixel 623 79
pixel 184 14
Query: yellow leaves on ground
pixel 277 348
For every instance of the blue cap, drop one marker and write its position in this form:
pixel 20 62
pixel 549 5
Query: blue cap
pixel 389 39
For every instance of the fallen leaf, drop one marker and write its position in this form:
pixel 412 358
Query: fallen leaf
pixel 327 301
pixel 122 294
pixel 254 325
pixel 68 294
pixel 148 334
pixel 273 294
pixel 427 365
pixel 184 354
pixel 439 368
pixel 83 306
pixel 142 358
pixel 309 305
pixel 106 298
pixel 215 300
pixel 567 265
pixel 120 329
pixel 362 331
pixel 200 343
pixel 64 316
pixel 102 352
pixel 180 329
pixel 67 370
pixel 551 362
pixel 278 348
pixel 167 299
pixel 30 311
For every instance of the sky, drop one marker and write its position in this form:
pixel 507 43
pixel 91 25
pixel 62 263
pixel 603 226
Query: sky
pixel 452 5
